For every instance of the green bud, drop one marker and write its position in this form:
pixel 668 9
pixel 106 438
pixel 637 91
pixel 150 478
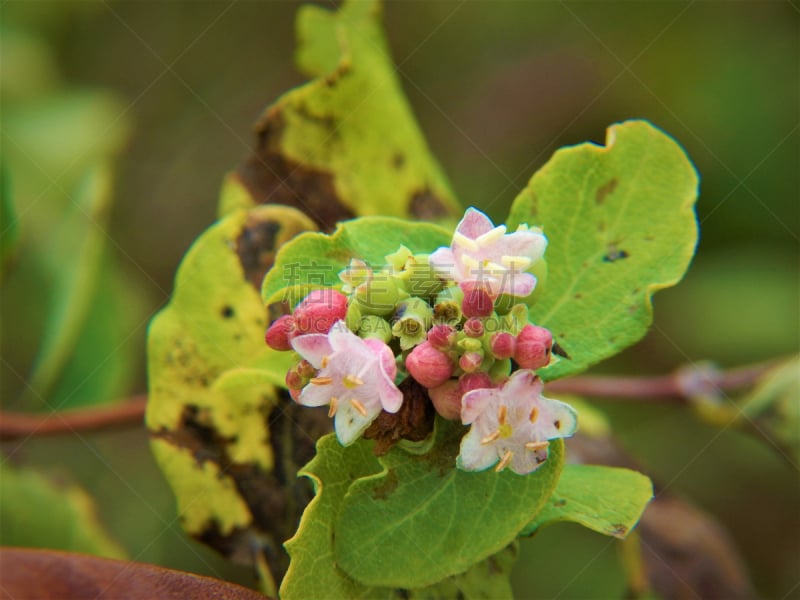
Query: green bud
pixel 500 369
pixel 468 344
pixel 516 318
pixel 413 321
pixel 353 316
pixel 397 260
pixel 373 326
pixel 379 296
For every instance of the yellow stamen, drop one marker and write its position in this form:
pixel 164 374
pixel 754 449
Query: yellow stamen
pixel 502 412
pixel 459 239
pixel 491 237
pixel 537 445
pixel 534 414
pixel 322 380
pixel 515 262
pixel 332 407
pixel 324 362
pixel 351 381
pixel 504 461
pixel 490 438
pixel 359 407
pixel 506 431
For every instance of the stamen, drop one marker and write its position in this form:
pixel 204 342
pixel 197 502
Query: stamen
pixel 359 407
pixel 504 461
pixel 490 438
pixel 537 445
pixel 534 414
pixel 333 406
pixel 502 412
pixel 324 361
pixel 322 380
pixel 460 239
pixel 515 262
pixel 491 237
pixel 352 381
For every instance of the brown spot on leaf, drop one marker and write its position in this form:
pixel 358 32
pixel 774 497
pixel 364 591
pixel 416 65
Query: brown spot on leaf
pixel 604 190
pixel 614 254
pixel 385 489
pixel 271 177
pixel 227 312
pixel 426 206
pixel 414 420
pixel 618 531
pixel 398 160
pixel 559 503
pixel 256 248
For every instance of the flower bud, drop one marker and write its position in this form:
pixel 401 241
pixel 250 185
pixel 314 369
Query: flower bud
pixel 446 399
pixel 372 326
pixel 503 345
pixel 306 369
pixel 379 296
pixel 429 366
pixel 475 381
pixel 279 334
pixel 470 362
pixel 318 311
pixel 477 301
pixel 414 319
pixel 533 347
pixel 473 327
pixel 442 337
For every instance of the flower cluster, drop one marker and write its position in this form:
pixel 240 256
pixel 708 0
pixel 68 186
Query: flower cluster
pixel 450 320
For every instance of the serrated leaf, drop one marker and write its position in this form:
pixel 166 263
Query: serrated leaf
pixel 621 225
pixel 420 519
pixel 41 513
pixel 608 500
pixel 313 572
pixel 314 260
pixel 346 143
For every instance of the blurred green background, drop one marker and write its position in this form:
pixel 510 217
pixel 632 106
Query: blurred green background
pixel 164 94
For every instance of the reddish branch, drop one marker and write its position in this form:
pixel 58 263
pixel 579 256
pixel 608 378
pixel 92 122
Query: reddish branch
pixel 676 387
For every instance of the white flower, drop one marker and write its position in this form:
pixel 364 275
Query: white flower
pixel 483 254
pixel 512 424
pixel 355 377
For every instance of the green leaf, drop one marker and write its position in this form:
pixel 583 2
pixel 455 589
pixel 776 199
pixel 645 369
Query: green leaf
pixel 420 519
pixel 9 226
pixel 313 572
pixel 621 225
pixel 346 143
pixel 608 500
pixel 37 512
pixel 314 260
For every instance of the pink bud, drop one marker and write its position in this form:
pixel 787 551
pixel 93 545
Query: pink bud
pixel 318 311
pixel 279 334
pixel 470 361
pixel 441 337
pixel 533 347
pixel 473 327
pixel 475 381
pixel 446 399
pixel 477 301
pixel 503 345
pixel 429 366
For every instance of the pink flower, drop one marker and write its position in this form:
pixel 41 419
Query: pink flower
pixel 512 424
pixel 483 253
pixel 355 377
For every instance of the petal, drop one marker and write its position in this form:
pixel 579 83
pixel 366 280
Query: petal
pixel 475 456
pixel 555 420
pixel 444 261
pixel 522 383
pixel 477 402
pixel 313 347
pixel 316 395
pixel 474 224
pixel 342 339
pixel 390 395
pixel 387 362
pixel 518 284
pixel 526 461
pixel 350 424
pixel 524 243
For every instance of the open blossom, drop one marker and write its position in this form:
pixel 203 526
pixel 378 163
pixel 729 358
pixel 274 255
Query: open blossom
pixel 483 254
pixel 355 377
pixel 512 424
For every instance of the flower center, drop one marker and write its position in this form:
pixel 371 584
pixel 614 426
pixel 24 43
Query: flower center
pixel 352 381
pixel 505 430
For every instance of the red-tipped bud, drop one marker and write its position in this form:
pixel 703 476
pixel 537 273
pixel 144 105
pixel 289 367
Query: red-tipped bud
pixel 446 399
pixel 441 337
pixel 475 381
pixel 319 311
pixel 503 345
pixel 470 361
pixel 279 334
pixel 533 347
pixel 477 301
pixel 429 366
pixel 473 327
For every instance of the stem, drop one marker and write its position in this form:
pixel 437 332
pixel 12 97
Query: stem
pixel 676 387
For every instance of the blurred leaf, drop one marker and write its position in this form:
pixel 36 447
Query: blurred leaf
pixel 346 143
pixel 314 260
pixel 313 572
pixel 28 69
pixel 77 283
pixel 607 500
pixel 621 225
pixel 40 513
pixel 9 226
pixel 420 519
pixel 43 574
pixel 212 394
